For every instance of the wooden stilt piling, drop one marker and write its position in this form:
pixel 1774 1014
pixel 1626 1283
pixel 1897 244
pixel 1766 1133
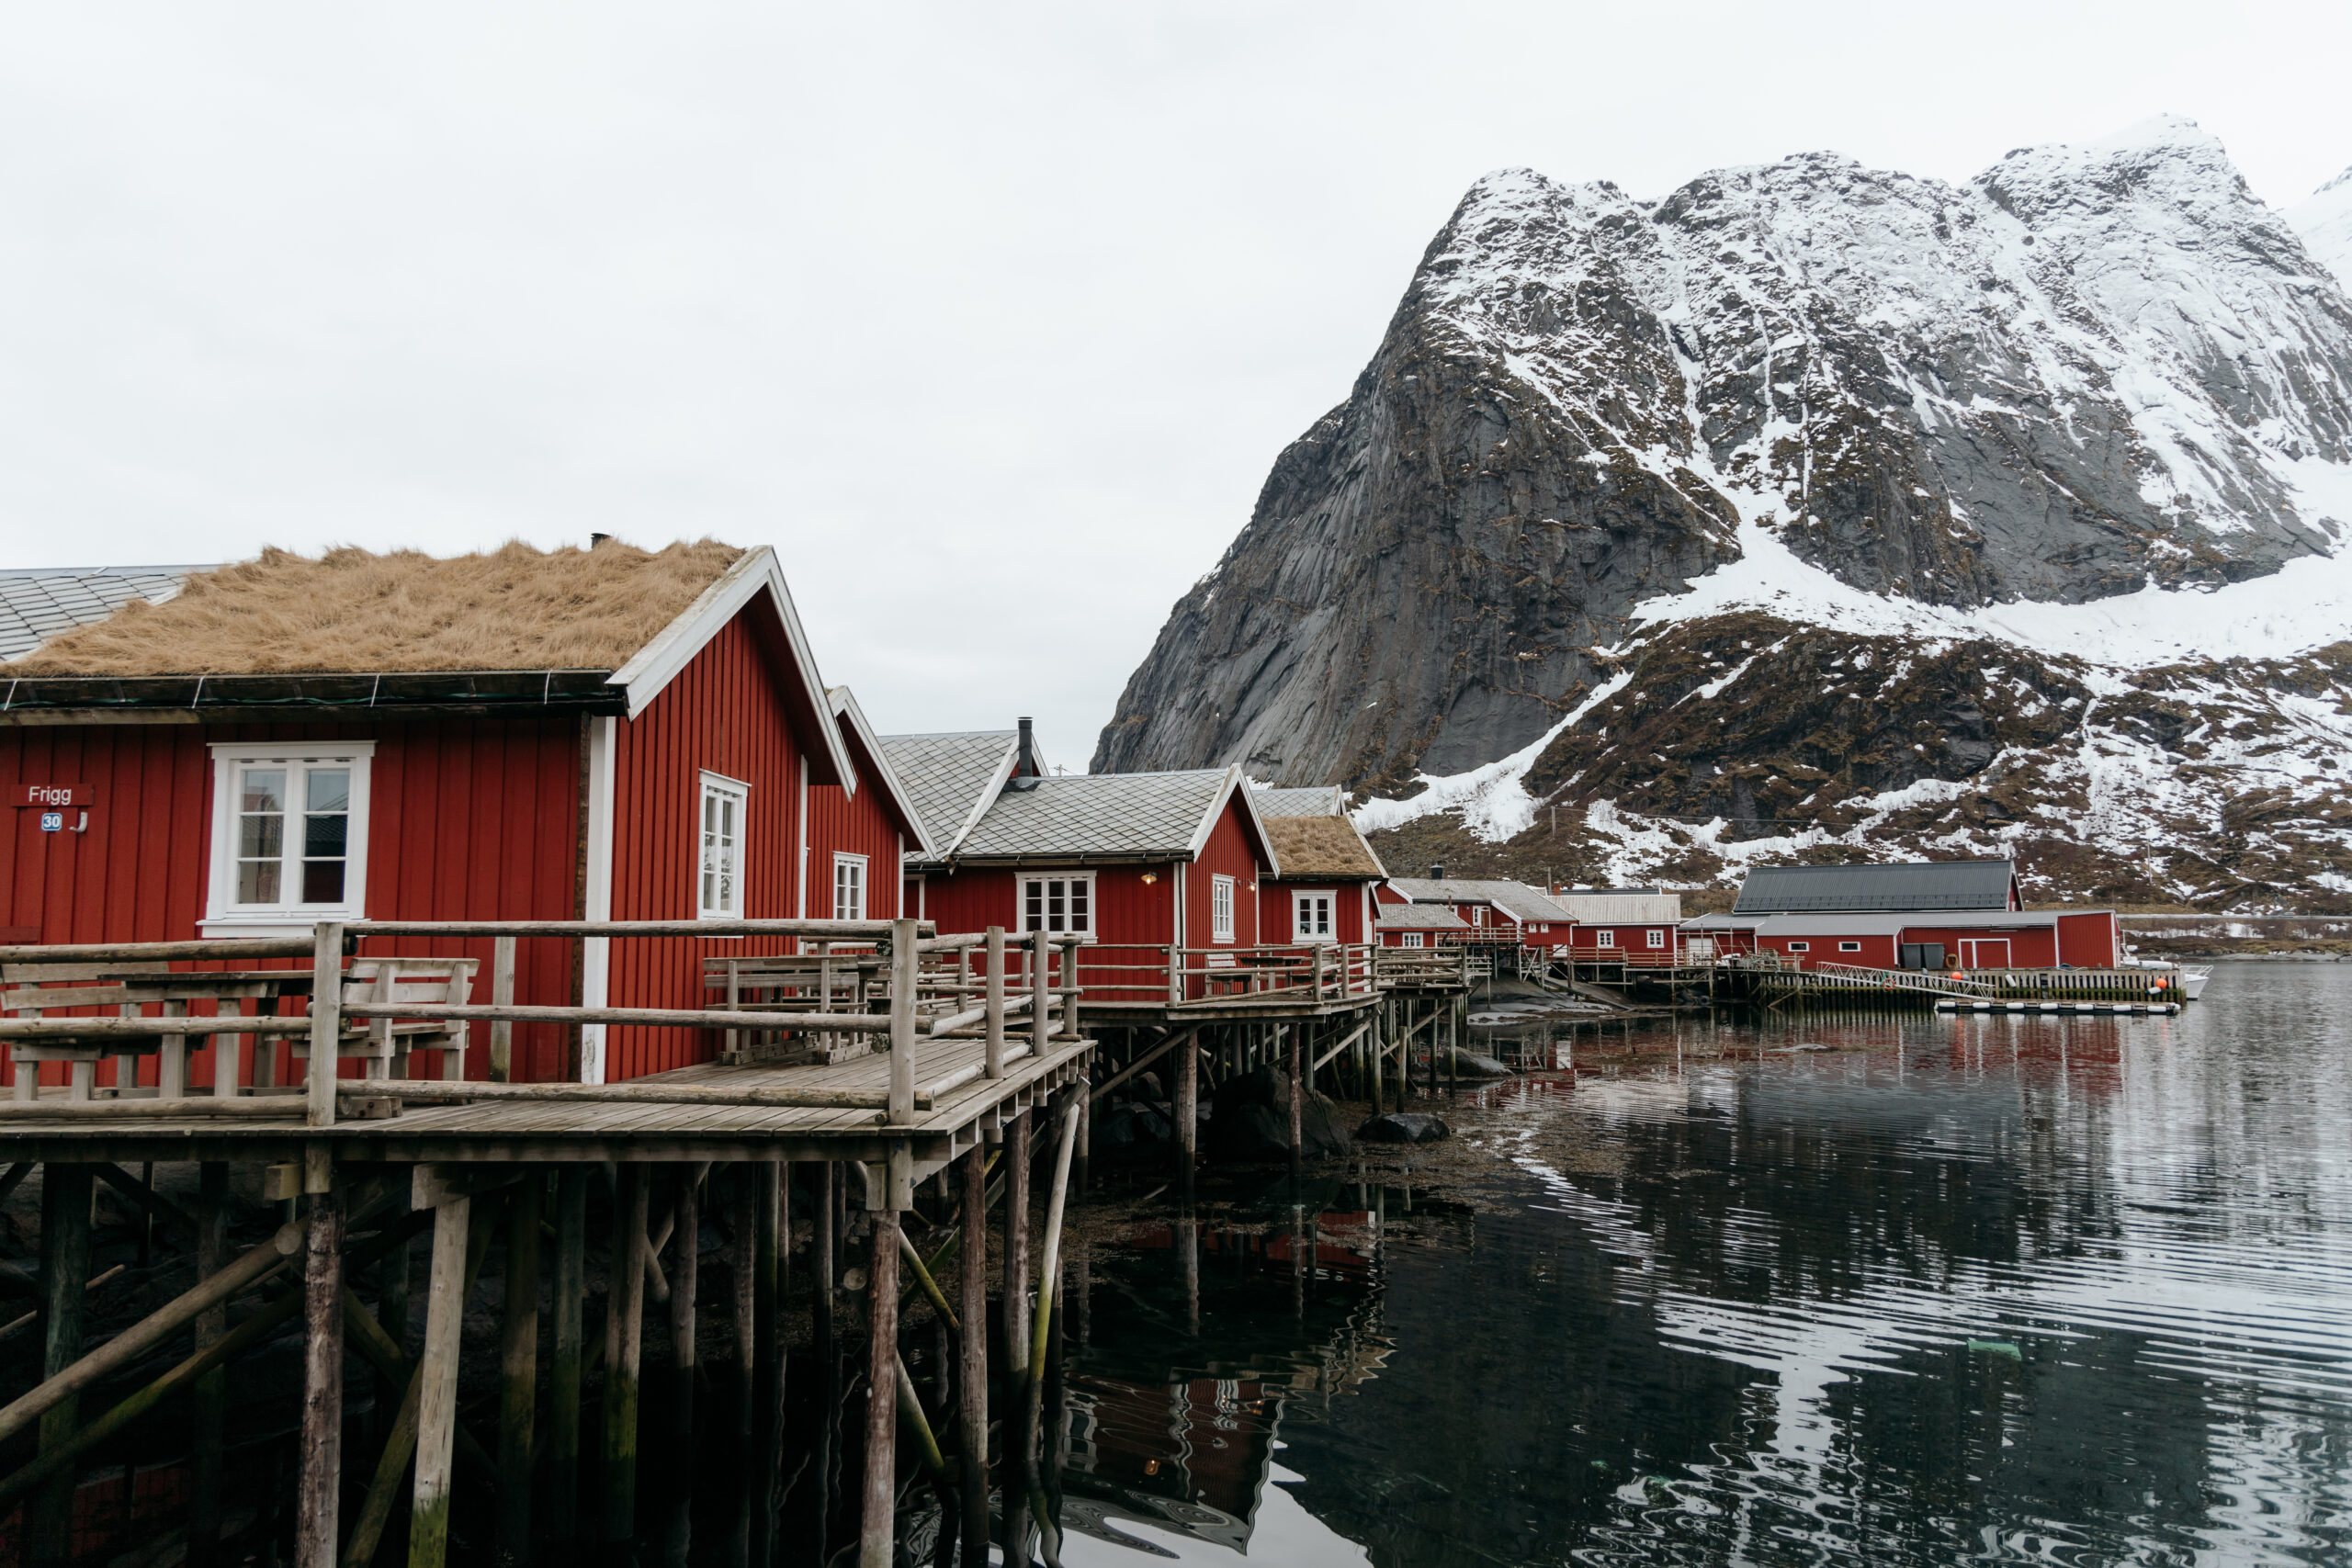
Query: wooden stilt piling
pixel 519 1375
pixel 1188 1114
pixel 436 1426
pixel 65 1197
pixel 685 1274
pixel 212 1389
pixel 1297 1104
pixel 318 1501
pixel 877 1546
pixel 566 1369
pixel 626 1304
pixel 973 1422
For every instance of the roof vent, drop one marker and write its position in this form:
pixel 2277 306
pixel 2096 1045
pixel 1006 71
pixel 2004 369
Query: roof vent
pixel 1437 872
pixel 596 540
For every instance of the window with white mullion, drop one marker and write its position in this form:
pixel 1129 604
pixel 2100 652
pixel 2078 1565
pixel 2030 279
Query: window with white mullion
pixel 720 893
pixel 1311 916
pixel 1220 909
pixel 849 887
pixel 289 833
pixel 1056 903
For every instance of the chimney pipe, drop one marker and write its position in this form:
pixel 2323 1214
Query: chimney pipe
pixel 1437 872
pixel 1025 765
pixel 596 540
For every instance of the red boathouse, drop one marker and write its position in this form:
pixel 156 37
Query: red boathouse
pixel 1922 914
pixel 607 733
pixel 1324 892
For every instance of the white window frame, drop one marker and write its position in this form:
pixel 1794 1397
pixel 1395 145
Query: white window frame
pixel 1606 937
pixel 844 862
pixel 1800 947
pixel 1411 939
pixel 1023 882
pixel 1221 902
pixel 1850 947
pixel 223 915
pixel 720 786
pixel 1657 937
pixel 1300 901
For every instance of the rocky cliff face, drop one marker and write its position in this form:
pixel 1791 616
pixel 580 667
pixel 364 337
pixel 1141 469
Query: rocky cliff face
pixel 2067 422
pixel 2090 369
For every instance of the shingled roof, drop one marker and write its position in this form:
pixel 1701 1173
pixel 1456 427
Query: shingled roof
pixel 951 777
pixel 1516 899
pixel 1420 918
pixel 1101 815
pixel 1915 884
pixel 1312 800
pixel 37 603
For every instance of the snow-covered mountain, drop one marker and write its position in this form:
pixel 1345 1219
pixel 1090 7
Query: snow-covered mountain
pixel 1622 468
pixel 2324 221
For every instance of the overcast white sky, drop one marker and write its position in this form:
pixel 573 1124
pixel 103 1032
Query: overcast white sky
pixel 989 317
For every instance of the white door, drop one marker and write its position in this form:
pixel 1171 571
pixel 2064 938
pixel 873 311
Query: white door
pixel 1984 954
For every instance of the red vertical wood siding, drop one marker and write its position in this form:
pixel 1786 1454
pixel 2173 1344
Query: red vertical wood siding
pixel 1130 915
pixel 723 713
pixel 2089 940
pixel 1230 851
pixel 1278 914
pixel 469 819
pixel 843 823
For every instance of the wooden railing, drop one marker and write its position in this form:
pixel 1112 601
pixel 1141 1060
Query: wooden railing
pixel 1990 984
pixel 1407 967
pixel 903 983
pixel 1174 977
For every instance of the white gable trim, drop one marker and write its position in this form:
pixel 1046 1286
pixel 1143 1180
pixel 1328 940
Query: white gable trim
pixel 1003 775
pixel 845 705
pixel 658 662
pixel 1233 781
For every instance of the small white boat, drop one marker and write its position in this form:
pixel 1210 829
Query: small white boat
pixel 2192 980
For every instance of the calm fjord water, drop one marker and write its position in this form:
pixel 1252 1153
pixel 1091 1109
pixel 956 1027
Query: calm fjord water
pixel 1958 1289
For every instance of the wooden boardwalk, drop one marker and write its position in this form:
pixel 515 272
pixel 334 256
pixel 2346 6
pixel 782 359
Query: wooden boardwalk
pixel 498 1130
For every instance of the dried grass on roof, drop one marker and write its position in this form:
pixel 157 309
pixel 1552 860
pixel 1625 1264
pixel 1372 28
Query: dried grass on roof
pixel 351 609
pixel 1320 846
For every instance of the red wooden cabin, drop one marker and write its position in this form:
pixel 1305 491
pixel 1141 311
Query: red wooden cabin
pixel 579 734
pixel 1507 913
pixel 1633 925
pixel 1324 893
pixel 1133 862
pixel 859 838
pixel 1922 914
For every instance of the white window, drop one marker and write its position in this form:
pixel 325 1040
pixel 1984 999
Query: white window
pixel 1058 904
pixel 1658 938
pixel 1310 916
pixel 1412 938
pixel 1800 947
pixel 1604 939
pixel 849 887
pixel 724 804
pixel 290 834
pixel 1220 909
pixel 1850 947
pixel 1478 914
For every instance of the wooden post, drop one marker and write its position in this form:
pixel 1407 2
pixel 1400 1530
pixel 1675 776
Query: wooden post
pixel 973 1414
pixel 501 994
pixel 876 1548
pixel 1376 1048
pixel 626 1296
pixel 829 1273
pixel 437 1424
pixel 995 1002
pixel 565 1371
pixel 326 1021
pixel 212 1388
pixel 518 1372
pixel 906 970
pixel 1017 1248
pixel 1298 1153
pixel 770 1289
pixel 317 1516
pixel 392 1307
pixel 65 1193
pixel 743 1276
pixel 1041 996
pixel 1175 974
pixel 684 1281
pixel 1188 1112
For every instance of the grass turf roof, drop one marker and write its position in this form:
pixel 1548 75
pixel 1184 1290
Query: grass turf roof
pixel 352 611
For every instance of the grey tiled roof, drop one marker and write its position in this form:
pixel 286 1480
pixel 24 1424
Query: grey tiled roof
pixel 1098 814
pixel 1315 800
pixel 1917 885
pixel 1419 918
pixel 36 602
pixel 1620 907
pixel 1516 899
pixel 946 775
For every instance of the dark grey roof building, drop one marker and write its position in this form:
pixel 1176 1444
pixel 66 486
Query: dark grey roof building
pixel 951 778
pixel 1944 884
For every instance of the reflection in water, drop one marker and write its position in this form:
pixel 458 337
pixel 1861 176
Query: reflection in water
pixel 1906 1288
